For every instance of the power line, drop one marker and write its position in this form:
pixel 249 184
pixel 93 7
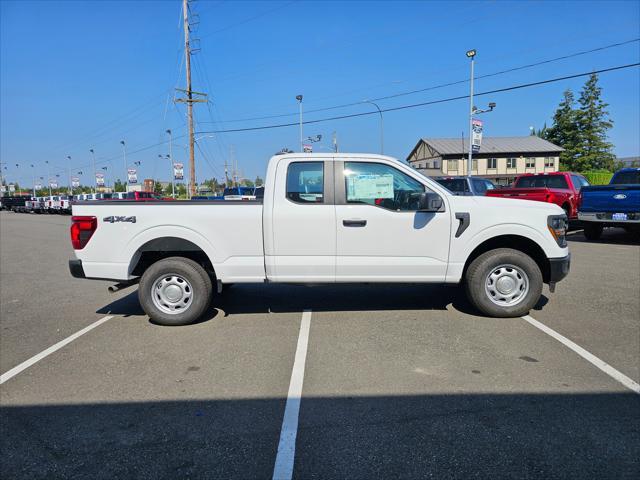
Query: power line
pixel 422 104
pixel 247 20
pixel 443 85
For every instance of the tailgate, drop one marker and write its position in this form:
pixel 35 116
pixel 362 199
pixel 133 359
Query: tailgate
pixel 610 198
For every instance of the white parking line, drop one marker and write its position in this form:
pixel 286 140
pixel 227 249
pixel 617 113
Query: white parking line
pixel 602 365
pixel 283 469
pixel 45 353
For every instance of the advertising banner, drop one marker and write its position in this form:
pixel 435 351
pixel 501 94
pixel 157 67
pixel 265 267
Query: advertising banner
pixel 178 171
pixel 53 183
pixel 476 138
pixel 307 148
pixel 12 188
pixel 38 186
pixel 75 181
pixel 100 179
pixel 132 175
pixel 3 189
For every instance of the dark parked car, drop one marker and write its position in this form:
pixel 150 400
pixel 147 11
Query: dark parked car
pixel 466 185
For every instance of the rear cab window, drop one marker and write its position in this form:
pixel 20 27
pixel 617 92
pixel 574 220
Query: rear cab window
pixel 541 181
pixel 305 182
pixel 626 178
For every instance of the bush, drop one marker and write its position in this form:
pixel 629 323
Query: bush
pixel 598 177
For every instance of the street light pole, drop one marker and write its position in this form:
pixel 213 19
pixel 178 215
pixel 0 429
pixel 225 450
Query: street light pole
pixel 471 54
pixel 69 165
pixel 93 156
pixel 299 99
pixel 48 176
pixel 34 179
pixel 381 125
pixel 173 177
pixel 126 172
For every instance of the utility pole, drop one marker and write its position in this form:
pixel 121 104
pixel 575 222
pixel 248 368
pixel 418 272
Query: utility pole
pixel 334 140
pixel 189 100
pixel 48 176
pixel 299 99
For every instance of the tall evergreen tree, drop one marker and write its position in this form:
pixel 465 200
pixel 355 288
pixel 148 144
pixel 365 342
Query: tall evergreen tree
pixel 593 123
pixel 565 132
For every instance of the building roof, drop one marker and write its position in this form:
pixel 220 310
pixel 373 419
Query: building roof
pixel 495 145
pixel 629 161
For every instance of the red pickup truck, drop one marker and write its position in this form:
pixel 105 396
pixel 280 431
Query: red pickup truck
pixel 561 188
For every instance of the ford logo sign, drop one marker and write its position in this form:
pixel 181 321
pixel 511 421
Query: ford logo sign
pixel 620 196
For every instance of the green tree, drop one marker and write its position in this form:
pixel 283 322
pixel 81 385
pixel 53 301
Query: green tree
pixel 118 186
pixel 565 132
pixel 157 187
pixel 593 123
pixel 245 182
pixel 259 181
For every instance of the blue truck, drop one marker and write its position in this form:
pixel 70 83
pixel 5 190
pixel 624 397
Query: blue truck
pixel 466 186
pixel 613 205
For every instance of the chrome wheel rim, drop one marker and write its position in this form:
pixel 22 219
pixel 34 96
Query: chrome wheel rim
pixel 172 294
pixel 506 285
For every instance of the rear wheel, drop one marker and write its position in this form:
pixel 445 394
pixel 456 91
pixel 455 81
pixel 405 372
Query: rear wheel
pixel 592 231
pixel 175 291
pixel 504 283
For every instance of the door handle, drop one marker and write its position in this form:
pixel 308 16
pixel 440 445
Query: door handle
pixel 354 223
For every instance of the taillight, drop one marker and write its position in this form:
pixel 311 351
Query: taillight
pixel 82 229
pixel 580 199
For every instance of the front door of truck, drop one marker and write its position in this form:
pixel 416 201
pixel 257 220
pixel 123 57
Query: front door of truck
pixel 381 235
pixel 302 245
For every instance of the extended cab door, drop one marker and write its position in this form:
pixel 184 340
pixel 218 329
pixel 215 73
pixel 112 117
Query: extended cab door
pixel 300 238
pixel 381 235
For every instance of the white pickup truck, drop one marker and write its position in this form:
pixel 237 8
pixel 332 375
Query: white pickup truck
pixel 325 218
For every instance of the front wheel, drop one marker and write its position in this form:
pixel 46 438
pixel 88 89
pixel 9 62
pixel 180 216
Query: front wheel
pixel 504 283
pixel 175 291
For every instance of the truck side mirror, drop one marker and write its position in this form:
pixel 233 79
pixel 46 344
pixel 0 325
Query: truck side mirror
pixel 430 202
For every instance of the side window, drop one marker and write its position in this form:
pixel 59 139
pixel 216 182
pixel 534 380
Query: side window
pixel 305 182
pixel 480 186
pixel 381 185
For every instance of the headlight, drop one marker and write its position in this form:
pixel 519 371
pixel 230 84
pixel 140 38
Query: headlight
pixel 557 225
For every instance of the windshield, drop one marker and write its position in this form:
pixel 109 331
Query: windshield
pixel 538 181
pixel 626 178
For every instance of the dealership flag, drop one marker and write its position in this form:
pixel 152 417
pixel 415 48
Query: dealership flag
pixel 178 171
pixel 53 183
pixel 75 181
pixel 476 139
pixel 132 175
pixel 100 179
pixel 307 148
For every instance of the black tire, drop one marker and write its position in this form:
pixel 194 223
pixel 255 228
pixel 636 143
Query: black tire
pixel 187 270
pixel 592 231
pixel 479 271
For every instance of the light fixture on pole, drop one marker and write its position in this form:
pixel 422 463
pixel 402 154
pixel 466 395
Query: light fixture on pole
pixel 381 124
pixel 94 180
pixel 299 99
pixel 126 173
pixel 34 179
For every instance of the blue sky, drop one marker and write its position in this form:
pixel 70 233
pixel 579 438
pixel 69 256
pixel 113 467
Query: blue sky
pixel 81 75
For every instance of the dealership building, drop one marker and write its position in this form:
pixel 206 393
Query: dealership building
pixel 500 159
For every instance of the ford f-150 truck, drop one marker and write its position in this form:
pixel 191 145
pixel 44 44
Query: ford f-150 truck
pixel 324 218
pixel 561 188
pixel 613 205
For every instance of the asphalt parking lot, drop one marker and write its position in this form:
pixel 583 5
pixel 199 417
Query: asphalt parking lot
pixel 398 381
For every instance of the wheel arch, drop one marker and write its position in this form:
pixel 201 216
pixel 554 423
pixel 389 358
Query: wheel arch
pixel 159 248
pixel 516 242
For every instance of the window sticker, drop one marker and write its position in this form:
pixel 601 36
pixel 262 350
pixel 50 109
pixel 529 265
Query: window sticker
pixel 370 186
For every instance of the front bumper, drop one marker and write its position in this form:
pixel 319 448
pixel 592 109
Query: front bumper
pixel 559 268
pixel 75 267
